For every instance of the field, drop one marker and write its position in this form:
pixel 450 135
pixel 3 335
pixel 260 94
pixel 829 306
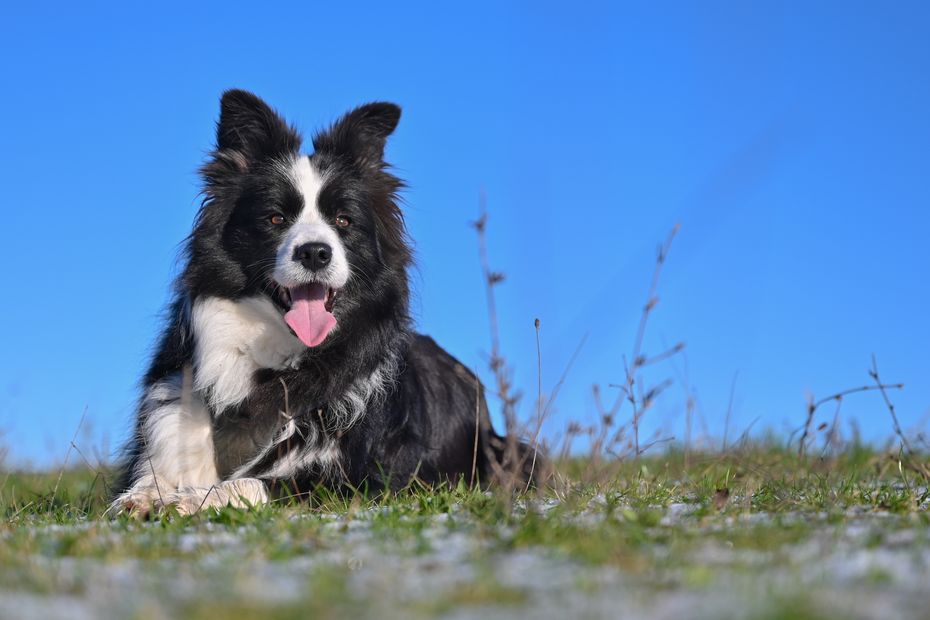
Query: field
pixel 758 531
pixel 815 525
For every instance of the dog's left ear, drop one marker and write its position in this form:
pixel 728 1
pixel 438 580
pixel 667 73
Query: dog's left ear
pixel 361 133
pixel 253 130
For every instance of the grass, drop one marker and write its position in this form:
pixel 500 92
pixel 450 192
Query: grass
pixel 650 520
pixel 762 478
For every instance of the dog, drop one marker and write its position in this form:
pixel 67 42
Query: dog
pixel 289 361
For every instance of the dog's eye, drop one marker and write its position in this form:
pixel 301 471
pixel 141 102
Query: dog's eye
pixel 277 219
pixel 342 221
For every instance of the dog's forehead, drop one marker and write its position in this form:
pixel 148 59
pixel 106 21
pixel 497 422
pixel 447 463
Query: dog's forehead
pixel 307 179
pixel 298 180
pixel 339 184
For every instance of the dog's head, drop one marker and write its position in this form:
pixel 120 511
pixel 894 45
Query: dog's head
pixel 320 235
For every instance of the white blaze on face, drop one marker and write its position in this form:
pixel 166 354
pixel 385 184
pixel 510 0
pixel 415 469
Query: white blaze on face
pixel 310 227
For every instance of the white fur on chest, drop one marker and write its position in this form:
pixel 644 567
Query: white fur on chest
pixel 233 339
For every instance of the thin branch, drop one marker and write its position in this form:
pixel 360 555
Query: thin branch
pixel 474 456
pixel 864 388
pixel 813 405
pixel 637 358
pixel 497 363
pixel 873 372
pixel 558 386
pixel 661 357
pixel 726 424
pixel 64 465
pixel 539 407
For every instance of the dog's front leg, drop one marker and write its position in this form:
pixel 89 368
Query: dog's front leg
pixel 174 447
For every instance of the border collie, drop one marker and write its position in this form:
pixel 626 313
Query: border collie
pixel 288 361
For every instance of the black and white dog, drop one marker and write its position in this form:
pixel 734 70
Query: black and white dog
pixel 288 361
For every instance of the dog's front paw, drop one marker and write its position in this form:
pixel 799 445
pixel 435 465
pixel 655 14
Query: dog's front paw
pixel 137 502
pixel 239 493
pixel 245 492
pixel 185 501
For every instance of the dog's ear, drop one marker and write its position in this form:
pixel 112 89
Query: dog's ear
pixel 362 133
pixel 250 130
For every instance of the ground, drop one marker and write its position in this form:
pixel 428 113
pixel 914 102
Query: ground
pixel 757 532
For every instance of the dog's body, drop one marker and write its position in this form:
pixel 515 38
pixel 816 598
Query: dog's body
pixel 288 359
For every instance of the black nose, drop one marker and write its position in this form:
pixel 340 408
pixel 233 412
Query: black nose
pixel 313 256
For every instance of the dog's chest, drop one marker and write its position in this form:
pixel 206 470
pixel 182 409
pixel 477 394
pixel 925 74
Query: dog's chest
pixel 232 340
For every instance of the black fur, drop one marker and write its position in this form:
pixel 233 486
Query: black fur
pixel 425 425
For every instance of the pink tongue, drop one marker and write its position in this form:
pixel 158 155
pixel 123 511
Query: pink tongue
pixel 308 316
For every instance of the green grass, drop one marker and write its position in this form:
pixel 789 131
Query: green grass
pixel 632 496
pixel 613 515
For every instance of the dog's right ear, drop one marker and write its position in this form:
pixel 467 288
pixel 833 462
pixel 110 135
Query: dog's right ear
pixel 249 130
pixel 361 133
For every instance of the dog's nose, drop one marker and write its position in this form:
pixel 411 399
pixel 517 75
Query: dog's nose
pixel 313 256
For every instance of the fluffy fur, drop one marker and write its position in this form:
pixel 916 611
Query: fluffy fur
pixel 235 406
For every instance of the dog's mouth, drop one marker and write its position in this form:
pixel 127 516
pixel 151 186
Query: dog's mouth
pixel 285 296
pixel 309 311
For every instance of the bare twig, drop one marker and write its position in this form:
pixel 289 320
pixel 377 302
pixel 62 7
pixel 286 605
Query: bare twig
pixel 864 388
pixel 831 442
pixel 690 403
pixel 497 362
pixel 204 500
pixel 512 458
pixel 286 414
pixel 656 442
pixel 743 439
pixel 813 405
pixel 558 386
pixel 638 360
pixel 664 355
pixel 873 372
pixel 64 465
pixel 726 424
pixel 539 407
pixel 155 478
pixel 474 456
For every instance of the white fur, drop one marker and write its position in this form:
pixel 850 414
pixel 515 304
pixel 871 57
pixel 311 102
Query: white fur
pixel 310 227
pixel 177 464
pixel 286 433
pixel 238 493
pixel 176 443
pixel 345 412
pixel 177 435
pixel 321 450
pixel 233 339
pixel 320 453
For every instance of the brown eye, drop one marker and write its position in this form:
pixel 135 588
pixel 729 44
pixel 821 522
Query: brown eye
pixel 342 221
pixel 277 219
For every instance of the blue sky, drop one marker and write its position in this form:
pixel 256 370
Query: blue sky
pixel 791 141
